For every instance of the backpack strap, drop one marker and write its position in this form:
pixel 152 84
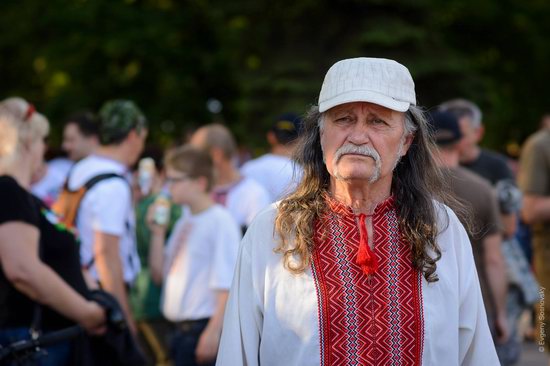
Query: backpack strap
pixel 68 202
pixel 87 186
pixel 98 178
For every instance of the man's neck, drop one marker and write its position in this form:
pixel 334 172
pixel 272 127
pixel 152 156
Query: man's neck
pixel 116 153
pixel 283 150
pixel 227 174
pixel 470 155
pixel 201 203
pixel 361 197
pixel 88 152
pixel 447 158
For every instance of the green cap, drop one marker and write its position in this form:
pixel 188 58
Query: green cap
pixel 117 118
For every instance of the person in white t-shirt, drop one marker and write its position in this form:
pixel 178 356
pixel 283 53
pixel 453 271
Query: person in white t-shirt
pixel 53 176
pixel 80 139
pixel 242 196
pixel 276 171
pixel 105 219
pixel 196 267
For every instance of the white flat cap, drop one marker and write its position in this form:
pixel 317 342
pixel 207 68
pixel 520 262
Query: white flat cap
pixel 375 80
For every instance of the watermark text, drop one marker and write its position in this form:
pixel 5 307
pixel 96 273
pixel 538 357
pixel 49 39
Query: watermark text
pixel 542 323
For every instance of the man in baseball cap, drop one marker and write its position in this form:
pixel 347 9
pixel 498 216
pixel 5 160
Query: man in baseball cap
pixel 276 171
pixel 486 236
pixel 105 219
pixel 361 265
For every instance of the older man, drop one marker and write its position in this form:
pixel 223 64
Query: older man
pixel 242 196
pixel 368 268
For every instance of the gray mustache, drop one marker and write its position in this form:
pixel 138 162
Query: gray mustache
pixel 359 150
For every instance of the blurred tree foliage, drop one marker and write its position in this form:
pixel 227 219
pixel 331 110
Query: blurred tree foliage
pixel 261 58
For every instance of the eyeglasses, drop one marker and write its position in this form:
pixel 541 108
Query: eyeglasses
pixel 172 180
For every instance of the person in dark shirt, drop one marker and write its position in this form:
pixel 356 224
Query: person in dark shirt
pixel 534 180
pixel 486 235
pixel 39 258
pixel 485 163
pixel 490 165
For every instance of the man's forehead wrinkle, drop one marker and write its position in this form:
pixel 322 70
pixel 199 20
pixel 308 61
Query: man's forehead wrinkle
pixel 372 110
pixel 341 109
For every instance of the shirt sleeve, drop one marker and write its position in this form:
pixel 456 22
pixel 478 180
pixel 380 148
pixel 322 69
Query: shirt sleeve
pixel 491 216
pixel 245 169
pixel 476 345
pixel 534 170
pixel 226 248
pixel 240 340
pixel 257 201
pixel 17 204
pixel 110 204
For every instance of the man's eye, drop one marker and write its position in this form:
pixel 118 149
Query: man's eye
pixel 378 121
pixel 343 119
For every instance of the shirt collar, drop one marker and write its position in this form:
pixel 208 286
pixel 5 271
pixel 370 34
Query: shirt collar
pixel 344 210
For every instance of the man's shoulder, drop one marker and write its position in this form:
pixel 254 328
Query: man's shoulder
pixel 60 166
pixel 91 167
pixel 492 166
pixel 446 218
pixel 540 140
pixel 220 215
pixel 266 162
pixel 248 187
pixel 260 238
pixel 493 158
pixel 264 221
pixel 254 164
pixel 441 209
pixel 473 180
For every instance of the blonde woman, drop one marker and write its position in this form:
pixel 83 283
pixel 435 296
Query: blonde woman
pixel 39 258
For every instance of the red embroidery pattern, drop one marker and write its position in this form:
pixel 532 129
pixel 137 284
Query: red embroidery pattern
pixel 366 320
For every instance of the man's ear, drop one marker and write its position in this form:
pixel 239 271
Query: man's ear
pixel 203 181
pixel 132 135
pixel 94 139
pixel 407 144
pixel 271 138
pixel 479 133
pixel 217 155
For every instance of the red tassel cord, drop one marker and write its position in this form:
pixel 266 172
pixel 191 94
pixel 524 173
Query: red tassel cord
pixel 366 258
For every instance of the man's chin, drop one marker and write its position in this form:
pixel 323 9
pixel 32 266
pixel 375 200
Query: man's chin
pixel 356 177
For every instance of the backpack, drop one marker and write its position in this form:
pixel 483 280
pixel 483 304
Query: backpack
pixel 66 206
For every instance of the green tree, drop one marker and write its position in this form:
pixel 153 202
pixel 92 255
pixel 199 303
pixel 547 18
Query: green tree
pixel 261 58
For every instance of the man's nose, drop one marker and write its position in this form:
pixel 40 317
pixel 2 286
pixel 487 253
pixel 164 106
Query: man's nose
pixel 359 135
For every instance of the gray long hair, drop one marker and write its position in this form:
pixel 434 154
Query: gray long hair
pixel 416 182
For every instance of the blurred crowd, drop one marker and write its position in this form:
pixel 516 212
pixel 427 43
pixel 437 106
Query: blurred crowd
pixel 160 231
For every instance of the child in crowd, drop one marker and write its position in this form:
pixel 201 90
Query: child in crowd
pixel 196 267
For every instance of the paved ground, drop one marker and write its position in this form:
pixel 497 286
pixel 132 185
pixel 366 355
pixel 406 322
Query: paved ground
pixel 532 357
